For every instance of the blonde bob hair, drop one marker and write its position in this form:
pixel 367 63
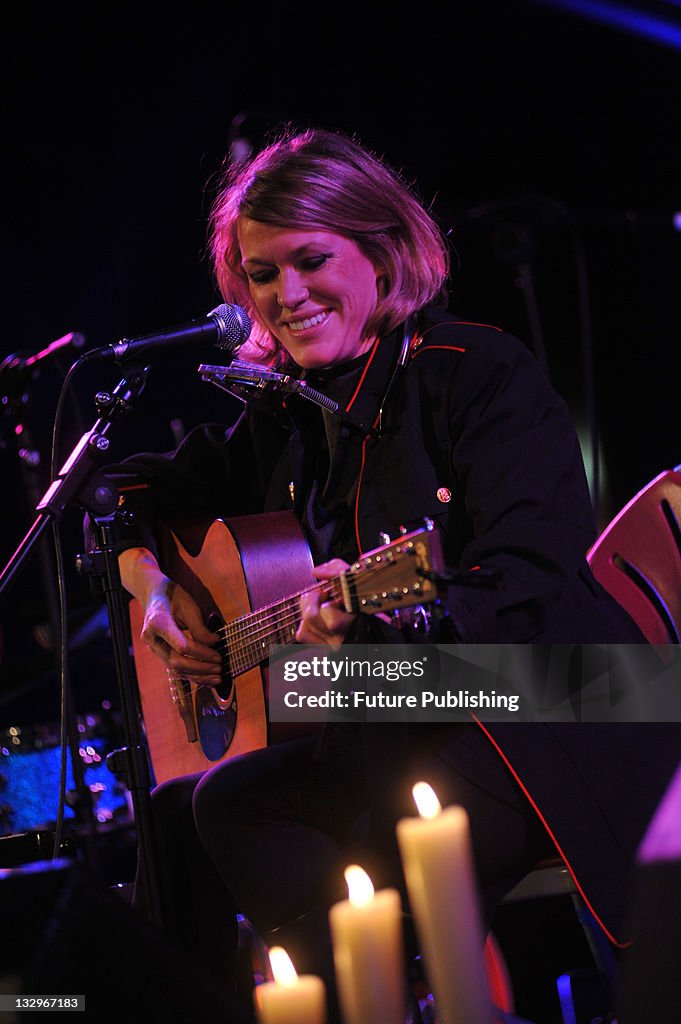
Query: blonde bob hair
pixel 324 181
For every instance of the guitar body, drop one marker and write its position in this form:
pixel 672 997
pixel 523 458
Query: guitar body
pixel 233 567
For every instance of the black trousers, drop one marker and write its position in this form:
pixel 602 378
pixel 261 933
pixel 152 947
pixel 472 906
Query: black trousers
pixel 268 834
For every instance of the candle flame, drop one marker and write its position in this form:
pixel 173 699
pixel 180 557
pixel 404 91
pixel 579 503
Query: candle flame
pixel 426 800
pixel 282 967
pixel 360 886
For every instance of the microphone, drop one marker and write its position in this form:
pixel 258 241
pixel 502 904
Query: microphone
pixel 21 366
pixel 226 326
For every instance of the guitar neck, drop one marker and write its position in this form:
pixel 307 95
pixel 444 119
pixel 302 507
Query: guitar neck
pixel 394 576
pixel 249 639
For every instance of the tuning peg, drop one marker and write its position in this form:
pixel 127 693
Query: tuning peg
pixel 429 523
pixel 403 530
pixel 384 537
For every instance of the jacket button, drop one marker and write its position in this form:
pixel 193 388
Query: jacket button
pixel 444 495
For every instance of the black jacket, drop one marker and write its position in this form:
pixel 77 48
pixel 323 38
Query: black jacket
pixel 467 431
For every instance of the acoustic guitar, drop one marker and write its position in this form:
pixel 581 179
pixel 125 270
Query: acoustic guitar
pixel 247 575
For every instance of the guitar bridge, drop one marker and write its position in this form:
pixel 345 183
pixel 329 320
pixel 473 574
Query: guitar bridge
pixel 181 696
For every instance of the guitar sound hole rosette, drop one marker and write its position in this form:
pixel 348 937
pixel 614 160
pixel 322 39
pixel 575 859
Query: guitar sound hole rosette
pixel 216 720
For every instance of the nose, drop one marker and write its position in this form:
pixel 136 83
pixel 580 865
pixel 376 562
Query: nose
pixel 292 290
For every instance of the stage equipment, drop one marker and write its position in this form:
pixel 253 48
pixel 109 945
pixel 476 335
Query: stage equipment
pixel 81 483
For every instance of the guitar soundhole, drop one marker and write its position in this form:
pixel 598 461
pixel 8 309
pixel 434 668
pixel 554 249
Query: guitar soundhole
pixel 215 707
pixel 216 720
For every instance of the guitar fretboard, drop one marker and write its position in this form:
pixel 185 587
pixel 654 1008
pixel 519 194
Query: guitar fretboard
pixel 247 641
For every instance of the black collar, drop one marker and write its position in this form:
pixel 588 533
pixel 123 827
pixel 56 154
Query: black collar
pixel 381 369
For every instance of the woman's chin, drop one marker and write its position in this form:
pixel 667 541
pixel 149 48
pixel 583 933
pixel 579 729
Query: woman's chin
pixel 311 358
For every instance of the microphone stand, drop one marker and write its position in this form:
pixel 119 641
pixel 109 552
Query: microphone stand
pixel 79 482
pixel 15 400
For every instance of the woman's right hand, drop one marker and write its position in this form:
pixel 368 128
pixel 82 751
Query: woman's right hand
pixel 173 626
pixel 174 630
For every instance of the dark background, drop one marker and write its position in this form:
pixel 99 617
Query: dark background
pixel 545 141
pixel 548 142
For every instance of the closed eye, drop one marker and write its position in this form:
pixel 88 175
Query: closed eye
pixel 262 276
pixel 315 262
pixel 307 264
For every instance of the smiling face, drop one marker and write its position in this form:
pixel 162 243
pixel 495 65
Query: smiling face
pixel 313 290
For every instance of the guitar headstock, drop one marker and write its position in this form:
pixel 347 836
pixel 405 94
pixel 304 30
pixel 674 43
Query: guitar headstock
pixel 396 575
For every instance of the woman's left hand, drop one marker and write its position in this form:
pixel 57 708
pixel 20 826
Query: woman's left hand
pixel 323 623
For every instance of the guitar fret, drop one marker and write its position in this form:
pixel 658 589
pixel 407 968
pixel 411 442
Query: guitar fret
pixel 250 637
pixel 285 632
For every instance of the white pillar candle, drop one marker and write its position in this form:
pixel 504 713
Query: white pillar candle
pixel 438 868
pixel 368 952
pixel 290 998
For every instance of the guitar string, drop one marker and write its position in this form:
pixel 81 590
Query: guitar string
pixel 248 641
pixel 252 644
pixel 242 639
pixel 268 612
pixel 283 631
pixel 254 621
pixel 253 625
pixel 247 650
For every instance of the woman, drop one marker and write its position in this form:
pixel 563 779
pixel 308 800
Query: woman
pixel 342 271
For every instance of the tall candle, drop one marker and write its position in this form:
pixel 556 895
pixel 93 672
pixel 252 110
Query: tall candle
pixel 290 998
pixel 438 867
pixel 368 952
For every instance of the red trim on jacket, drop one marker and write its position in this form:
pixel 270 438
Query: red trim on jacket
pixel 364 373
pixel 472 323
pixel 359 483
pixel 462 323
pixel 580 890
pixel 359 487
pixel 430 348
pixel 417 343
